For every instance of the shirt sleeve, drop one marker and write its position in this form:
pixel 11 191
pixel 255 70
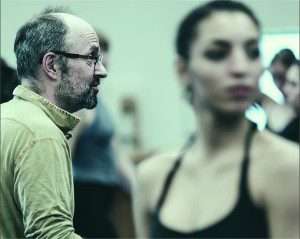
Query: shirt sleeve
pixel 43 190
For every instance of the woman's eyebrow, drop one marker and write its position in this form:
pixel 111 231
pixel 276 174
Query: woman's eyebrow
pixel 221 43
pixel 252 41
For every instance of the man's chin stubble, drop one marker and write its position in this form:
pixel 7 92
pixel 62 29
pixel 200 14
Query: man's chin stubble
pixel 91 100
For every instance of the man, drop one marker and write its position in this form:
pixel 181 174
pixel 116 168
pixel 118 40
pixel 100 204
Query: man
pixel 59 66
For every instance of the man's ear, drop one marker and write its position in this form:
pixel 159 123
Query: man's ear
pixel 50 65
pixel 182 72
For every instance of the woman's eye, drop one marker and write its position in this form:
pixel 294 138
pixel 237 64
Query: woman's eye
pixel 216 55
pixel 293 84
pixel 253 53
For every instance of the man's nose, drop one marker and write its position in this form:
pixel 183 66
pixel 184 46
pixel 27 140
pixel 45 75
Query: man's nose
pixel 100 70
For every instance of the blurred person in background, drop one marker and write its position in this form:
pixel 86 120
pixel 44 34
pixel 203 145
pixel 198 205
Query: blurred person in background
pixel 9 81
pixel 278 115
pixel 229 180
pixel 99 170
pixel 279 65
pixel 60 68
pixel 291 94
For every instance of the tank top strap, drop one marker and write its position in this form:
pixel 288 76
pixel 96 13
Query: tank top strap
pixel 245 163
pixel 172 173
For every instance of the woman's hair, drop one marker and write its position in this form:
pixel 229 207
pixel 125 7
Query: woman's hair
pixel 285 57
pixel 187 28
pixel 296 62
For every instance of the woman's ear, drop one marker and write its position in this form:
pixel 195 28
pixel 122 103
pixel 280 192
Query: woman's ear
pixel 50 65
pixel 181 69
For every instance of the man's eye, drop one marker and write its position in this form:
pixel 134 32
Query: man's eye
pixel 253 53
pixel 90 61
pixel 216 55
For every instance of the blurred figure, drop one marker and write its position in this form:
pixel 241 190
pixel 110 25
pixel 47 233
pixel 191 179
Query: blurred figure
pixel 291 94
pixel 278 115
pixel 9 81
pixel 96 171
pixel 279 65
pixel 229 180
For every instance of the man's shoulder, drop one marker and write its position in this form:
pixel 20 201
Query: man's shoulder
pixel 23 117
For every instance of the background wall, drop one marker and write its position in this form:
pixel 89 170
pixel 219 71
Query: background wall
pixel 142 55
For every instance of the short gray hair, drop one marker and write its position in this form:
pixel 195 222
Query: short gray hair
pixel 35 38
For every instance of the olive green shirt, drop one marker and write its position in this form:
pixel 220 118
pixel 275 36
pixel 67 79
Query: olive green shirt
pixel 36 190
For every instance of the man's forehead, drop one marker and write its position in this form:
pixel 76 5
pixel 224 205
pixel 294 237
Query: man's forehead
pixel 79 28
pixel 72 21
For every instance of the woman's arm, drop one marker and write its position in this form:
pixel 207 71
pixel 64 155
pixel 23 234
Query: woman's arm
pixel 140 206
pixel 150 177
pixel 281 195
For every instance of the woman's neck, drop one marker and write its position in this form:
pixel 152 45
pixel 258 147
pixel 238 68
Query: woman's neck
pixel 218 131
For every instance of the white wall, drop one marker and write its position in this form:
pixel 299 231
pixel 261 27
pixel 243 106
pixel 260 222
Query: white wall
pixel 142 54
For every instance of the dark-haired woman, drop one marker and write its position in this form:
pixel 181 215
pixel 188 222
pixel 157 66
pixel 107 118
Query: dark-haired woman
pixel 292 96
pixel 229 181
pixel 278 115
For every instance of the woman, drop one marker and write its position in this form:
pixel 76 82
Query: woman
pixel 229 180
pixel 278 115
pixel 291 93
pixel 279 66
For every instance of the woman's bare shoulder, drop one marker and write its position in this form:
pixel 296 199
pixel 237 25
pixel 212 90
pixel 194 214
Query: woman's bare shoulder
pixel 274 167
pixel 277 157
pixel 158 164
pixel 279 173
pixel 276 149
pixel 151 175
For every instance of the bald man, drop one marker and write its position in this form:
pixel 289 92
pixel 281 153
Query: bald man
pixel 60 68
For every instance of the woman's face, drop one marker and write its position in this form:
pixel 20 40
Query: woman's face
pixel 291 87
pixel 278 71
pixel 225 63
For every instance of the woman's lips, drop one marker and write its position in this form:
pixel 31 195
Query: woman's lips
pixel 240 91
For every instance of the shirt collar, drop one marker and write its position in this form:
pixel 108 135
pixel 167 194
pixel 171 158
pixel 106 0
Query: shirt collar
pixel 63 119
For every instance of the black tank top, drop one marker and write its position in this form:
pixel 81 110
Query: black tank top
pixel 246 220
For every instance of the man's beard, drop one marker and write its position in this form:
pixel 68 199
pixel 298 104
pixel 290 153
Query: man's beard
pixel 70 99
